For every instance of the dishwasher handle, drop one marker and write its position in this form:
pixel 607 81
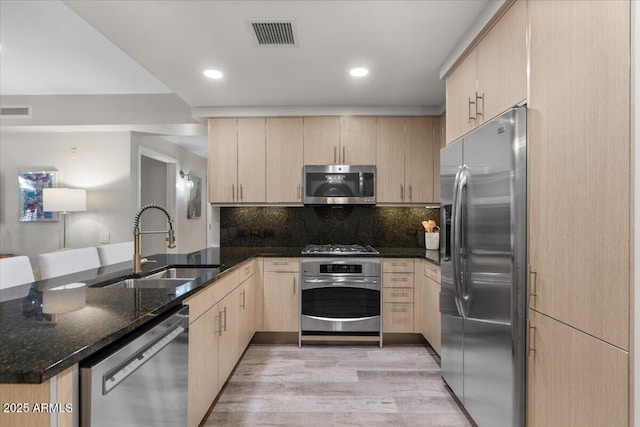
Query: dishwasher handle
pixel 113 378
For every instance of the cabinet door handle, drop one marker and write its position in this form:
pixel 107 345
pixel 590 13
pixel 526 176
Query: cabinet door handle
pixel 410 193
pixel 225 319
pixel 344 155
pixel 533 279
pixel 218 320
pixel 470 103
pixel 233 193
pixel 402 192
pixel 532 343
pixel 335 154
pixel 294 285
pixel 241 193
pixel 479 97
pixel 242 300
pixel 299 191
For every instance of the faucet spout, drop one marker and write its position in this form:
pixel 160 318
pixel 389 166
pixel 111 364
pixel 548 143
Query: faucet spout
pixel 138 261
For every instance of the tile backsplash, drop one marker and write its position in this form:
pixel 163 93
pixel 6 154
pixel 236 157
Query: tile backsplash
pixel 297 227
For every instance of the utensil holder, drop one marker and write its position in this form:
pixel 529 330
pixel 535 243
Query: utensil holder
pixel 432 241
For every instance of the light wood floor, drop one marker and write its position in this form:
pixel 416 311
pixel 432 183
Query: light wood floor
pixel 278 385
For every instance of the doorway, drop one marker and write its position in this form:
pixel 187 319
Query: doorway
pixel 156 186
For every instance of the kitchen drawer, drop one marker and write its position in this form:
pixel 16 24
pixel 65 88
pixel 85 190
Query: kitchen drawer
pixel 397 280
pixel 397 294
pixel 397 264
pixel 246 270
pixel 291 265
pixel 432 271
pixel 397 317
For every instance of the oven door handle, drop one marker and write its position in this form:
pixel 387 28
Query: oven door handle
pixel 340 282
pixel 341 319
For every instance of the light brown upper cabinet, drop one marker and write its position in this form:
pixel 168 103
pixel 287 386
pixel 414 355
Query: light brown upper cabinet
pixel 357 141
pixel 349 140
pixel 493 76
pixel 579 149
pixel 284 159
pixel 321 140
pixel 461 97
pixel 418 170
pixel 404 161
pixel 390 160
pixel 223 160
pixel 439 142
pixel 237 161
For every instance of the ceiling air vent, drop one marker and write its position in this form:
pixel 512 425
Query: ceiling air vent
pixel 274 33
pixel 16 111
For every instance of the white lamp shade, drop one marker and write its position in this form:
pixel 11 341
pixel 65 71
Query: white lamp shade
pixel 64 200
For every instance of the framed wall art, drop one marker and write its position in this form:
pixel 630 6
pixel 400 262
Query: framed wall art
pixel 30 185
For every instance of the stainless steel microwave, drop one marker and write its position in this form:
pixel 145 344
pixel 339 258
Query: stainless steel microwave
pixel 339 184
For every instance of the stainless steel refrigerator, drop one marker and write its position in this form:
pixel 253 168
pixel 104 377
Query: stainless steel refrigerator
pixel 483 258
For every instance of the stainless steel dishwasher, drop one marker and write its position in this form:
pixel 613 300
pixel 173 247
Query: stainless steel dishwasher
pixel 142 382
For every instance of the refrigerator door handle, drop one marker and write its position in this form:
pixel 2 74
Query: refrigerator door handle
pixel 464 177
pixel 456 223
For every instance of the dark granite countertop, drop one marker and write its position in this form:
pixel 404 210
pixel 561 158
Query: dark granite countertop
pixel 36 346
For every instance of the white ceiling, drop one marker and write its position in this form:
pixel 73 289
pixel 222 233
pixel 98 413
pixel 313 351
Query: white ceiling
pixel 49 50
pixel 106 47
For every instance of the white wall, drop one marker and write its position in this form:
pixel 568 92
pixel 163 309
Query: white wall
pixel 191 234
pixel 101 165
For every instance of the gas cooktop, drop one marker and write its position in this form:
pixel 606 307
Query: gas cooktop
pixel 339 250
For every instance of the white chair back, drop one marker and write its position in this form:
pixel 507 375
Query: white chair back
pixel 15 271
pixel 54 264
pixel 115 253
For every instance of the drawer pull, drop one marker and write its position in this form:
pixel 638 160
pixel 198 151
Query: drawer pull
pixel 532 343
pixel 399 279
pixel 399 310
pixel 280 263
pixel 399 294
pixel 398 264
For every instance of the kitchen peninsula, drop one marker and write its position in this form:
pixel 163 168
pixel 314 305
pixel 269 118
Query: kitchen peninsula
pixel 39 349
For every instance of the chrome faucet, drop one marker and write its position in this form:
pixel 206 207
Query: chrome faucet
pixel 138 261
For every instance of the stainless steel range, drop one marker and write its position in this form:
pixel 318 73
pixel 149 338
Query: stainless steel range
pixel 341 292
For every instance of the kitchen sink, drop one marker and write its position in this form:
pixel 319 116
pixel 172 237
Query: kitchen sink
pixel 181 273
pixel 169 278
pixel 149 283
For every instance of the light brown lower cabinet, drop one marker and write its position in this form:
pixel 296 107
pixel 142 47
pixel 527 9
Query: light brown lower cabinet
pixel 432 324
pixel 223 321
pixel 203 364
pixel 281 301
pixel 427 303
pixel 25 396
pixel 397 317
pixel 574 379
pixel 229 341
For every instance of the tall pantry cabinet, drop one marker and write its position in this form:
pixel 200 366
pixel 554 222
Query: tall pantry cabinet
pixel 579 159
pixel 573 73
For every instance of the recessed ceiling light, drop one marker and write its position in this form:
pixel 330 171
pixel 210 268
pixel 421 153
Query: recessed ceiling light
pixel 359 72
pixel 213 74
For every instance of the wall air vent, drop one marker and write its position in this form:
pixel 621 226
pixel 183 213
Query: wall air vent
pixel 15 111
pixel 274 33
